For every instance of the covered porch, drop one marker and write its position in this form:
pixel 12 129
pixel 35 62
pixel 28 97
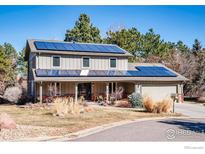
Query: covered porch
pixel 89 90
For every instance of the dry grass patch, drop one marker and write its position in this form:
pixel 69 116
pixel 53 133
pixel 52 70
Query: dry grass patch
pixel 71 122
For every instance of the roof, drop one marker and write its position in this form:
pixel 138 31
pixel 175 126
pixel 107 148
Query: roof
pixel 137 72
pixel 73 48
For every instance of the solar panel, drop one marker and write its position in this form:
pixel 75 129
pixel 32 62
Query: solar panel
pixel 147 71
pixel 59 46
pixel 82 47
pixel 157 71
pixel 57 73
pixel 40 45
pixel 50 46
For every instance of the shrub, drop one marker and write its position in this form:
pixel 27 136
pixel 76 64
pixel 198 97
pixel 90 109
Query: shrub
pixel 65 105
pixel 118 94
pixel 100 100
pixel 157 107
pixel 123 103
pixel 13 94
pixel 148 104
pixel 167 105
pixel 136 99
pixel 49 99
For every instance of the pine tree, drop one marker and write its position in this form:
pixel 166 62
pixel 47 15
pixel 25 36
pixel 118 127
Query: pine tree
pixel 182 47
pixel 21 63
pixel 196 46
pixel 128 39
pixel 83 31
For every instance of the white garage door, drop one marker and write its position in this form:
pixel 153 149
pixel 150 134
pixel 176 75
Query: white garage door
pixel 158 92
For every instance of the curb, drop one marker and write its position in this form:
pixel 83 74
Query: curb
pixel 90 131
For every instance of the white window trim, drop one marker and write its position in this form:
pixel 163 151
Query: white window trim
pixel 52 61
pixel 82 62
pixel 110 63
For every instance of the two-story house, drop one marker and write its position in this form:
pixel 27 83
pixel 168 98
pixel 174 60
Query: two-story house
pixel 74 69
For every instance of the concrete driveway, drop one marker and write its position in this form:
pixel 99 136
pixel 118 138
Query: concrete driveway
pixel 192 110
pixel 153 130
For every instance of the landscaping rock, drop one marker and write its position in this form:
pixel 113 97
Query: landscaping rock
pixel 6 122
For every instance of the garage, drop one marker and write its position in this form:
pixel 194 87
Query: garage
pixel 157 92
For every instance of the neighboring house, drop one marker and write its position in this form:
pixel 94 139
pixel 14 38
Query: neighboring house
pixel 75 69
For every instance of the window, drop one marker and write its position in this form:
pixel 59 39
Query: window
pixel 56 61
pixel 113 62
pixel 54 89
pixel 86 62
pixel 112 87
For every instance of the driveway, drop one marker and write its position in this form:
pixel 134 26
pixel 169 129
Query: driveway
pixel 153 130
pixel 192 110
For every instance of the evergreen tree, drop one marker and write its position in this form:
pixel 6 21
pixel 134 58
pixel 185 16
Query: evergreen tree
pixel 9 51
pixel 3 64
pixel 154 45
pixel 182 47
pixel 21 63
pixel 8 64
pixel 196 46
pixel 83 31
pixel 128 39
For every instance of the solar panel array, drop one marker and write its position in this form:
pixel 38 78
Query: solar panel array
pixel 81 47
pixel 155 71
pixel 141 71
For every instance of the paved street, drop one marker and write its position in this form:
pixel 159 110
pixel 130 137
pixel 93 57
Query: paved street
pixel 153 130
pixel 192 110
pixel 191 129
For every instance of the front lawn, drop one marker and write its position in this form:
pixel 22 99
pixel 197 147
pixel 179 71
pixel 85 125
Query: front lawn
pixel 42 118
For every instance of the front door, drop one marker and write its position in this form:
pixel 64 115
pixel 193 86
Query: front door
pixel 84 89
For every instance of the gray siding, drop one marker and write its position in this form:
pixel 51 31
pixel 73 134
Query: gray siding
pixel 75 62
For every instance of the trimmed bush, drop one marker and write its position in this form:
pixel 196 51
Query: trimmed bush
pixel 136 99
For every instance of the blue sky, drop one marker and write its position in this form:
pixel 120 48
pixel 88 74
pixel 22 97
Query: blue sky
pixel 173 23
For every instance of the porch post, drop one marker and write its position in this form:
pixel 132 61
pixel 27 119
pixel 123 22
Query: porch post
pixel 92 91
pixel 40 92
pixel 107 91
pixel 55 89
pixel 76 92
pixel 180 93
pixel 137 88
pixel 116 90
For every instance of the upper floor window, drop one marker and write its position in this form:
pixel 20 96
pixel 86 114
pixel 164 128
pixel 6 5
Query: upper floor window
pixel 86 62
pixel 56 61
pixel 113 62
